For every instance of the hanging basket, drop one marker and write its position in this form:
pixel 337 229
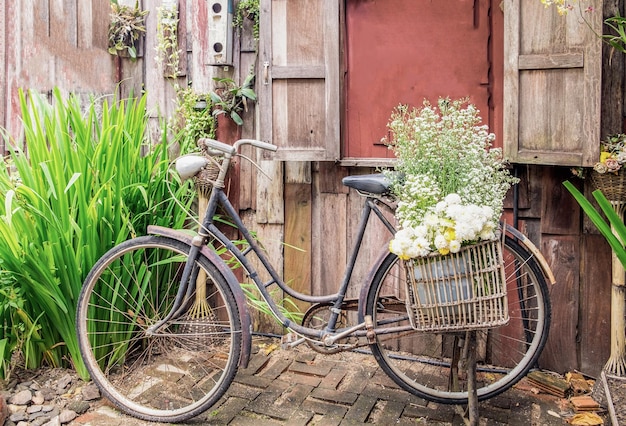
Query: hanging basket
pixel 612 185
pixel 206 177
pixel 459 291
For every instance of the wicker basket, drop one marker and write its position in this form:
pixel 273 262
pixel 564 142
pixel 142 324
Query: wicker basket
pixel 459 291
pixel 205 178
pixel 612 185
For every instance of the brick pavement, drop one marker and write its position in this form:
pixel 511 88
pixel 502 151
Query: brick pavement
pixel 302 387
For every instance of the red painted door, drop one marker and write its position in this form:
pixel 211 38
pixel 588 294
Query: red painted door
pixel 405 51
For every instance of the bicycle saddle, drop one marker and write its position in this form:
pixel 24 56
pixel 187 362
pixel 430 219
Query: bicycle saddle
pixel 376 183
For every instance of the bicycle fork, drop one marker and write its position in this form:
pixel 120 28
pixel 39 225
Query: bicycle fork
pixel 185 290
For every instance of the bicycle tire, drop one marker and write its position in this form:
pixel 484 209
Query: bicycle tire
pixel 420 362
pixel 184 367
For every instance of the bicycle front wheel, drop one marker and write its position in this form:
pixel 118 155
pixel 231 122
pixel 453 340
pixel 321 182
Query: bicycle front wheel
pixel 431 365
pixel 180 369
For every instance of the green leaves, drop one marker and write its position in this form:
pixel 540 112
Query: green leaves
pixel 594 215
pixel 86 179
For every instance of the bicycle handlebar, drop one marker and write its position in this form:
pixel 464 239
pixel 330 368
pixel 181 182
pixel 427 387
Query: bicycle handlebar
pixel 232 149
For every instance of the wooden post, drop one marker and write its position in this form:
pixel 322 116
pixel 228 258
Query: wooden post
pixel 616 364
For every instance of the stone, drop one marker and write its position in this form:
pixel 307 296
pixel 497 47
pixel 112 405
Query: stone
pixel 18 417
pixel 21 398
pixel 34 409
pixel 67 416
pixel 79 407
pixel 38 398
pixel 91 392
pixel 55 421
pixel 63 383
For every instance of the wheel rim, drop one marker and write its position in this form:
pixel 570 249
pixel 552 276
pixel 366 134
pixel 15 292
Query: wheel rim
pixel 176 372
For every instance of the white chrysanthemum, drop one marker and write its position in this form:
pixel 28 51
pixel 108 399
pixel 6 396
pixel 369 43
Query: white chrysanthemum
pixel 453 199
pixel 454 246
pixel 441 242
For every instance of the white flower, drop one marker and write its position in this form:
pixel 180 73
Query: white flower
pixel 451 184
pixel 452 199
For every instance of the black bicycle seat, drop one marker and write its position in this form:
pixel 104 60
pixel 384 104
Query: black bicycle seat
pixel 376 183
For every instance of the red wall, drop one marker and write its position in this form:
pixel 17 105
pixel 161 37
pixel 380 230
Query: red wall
pixel 403 51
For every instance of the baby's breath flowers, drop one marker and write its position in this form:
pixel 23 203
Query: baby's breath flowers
pixel 449 182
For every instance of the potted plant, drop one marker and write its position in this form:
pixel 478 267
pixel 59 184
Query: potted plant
pixel 231 100
pixel 450 186
pixel 126 28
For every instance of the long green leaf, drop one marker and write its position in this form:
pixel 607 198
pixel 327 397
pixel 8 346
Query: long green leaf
pixel 599 222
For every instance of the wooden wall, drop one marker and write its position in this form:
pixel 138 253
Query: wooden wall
pixel 299 208
pixel 48 43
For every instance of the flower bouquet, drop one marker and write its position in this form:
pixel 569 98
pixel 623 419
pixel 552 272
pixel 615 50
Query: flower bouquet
pixel 608 173
pixel 450 185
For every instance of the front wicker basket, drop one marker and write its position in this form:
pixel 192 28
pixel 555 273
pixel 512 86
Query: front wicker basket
pixel 459 291
pixel 612 185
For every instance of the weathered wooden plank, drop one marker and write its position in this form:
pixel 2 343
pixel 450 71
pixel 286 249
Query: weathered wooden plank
pixel 272 238
pixel 270 205
pixel 595 304
pixel 328 241
pixel 563 256
pixel 551 61
pixel 297 251
pixel 560 211
pixel 330 177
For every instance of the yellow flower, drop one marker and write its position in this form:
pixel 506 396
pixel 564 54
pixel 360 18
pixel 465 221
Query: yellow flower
pixel 449 234
pixel 604 156
pixel 443 251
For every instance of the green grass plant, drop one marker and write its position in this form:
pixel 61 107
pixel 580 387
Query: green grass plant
pixel 84 178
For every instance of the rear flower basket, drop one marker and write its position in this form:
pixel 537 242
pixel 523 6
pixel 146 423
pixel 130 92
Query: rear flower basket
pixel 450 184
pixel 458 291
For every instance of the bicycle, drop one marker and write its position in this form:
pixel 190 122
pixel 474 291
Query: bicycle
pixel 163 325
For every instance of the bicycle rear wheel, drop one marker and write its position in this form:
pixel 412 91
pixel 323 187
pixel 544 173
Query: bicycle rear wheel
pixel 430 365
pixel 184 367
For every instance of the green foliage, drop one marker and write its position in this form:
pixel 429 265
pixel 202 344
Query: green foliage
pixel 232 100
pixel 617 40
pixel 605 228
pixel 248 9
pixel 87 179
pixel 168 54
pixel 126 27
pixel 192 119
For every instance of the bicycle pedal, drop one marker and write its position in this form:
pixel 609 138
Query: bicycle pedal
pixel 287 340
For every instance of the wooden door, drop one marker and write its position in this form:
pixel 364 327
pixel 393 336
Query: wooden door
pixel 299 93
pixel 405 51
pixel 553 68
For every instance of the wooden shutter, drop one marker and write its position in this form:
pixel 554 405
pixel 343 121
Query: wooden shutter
pixel 299 78
pixel 552 84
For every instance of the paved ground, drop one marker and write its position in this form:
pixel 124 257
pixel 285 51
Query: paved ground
pixel 301 387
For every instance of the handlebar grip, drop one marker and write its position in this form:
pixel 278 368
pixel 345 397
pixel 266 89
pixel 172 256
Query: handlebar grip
pixel 217 145
pixel 261 144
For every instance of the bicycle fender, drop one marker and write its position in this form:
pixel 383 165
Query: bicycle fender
pixel 233 283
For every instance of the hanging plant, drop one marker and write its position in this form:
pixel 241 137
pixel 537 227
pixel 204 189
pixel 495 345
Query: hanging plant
pixel 192 119
pixel 168 54
pixel 125 29
pixel 248 9
pixel 232 100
